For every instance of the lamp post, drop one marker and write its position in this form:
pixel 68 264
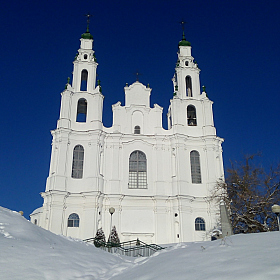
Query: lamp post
pixel 276 209
pixel 111 211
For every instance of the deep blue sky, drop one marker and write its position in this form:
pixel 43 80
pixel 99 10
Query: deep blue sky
pixel 236 44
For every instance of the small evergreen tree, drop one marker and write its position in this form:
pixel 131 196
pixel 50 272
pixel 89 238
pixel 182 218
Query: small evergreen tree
pixel 99 239
pixel 113 237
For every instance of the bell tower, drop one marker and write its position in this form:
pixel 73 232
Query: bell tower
pixel 190 109
pixel 76 148
pixel 186 79
pixel 85 65
pixel 82 103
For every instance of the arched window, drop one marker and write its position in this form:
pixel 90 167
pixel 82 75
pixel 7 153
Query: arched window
pixel 195 167
pixel 137 129
pixel 35 222
pixel 78 162
pixel 191 115
pixel 84 78
pixel 137 170
pixel 189 86
pixel 199 224
pixel 73 220
pixel 81 110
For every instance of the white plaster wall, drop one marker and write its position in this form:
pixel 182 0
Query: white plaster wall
pixel 147 214
pixel 137 94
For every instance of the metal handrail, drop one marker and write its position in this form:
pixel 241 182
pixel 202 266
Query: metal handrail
pixel 134 248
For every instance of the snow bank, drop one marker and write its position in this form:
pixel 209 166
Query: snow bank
pixel 30 252
pixel 252 256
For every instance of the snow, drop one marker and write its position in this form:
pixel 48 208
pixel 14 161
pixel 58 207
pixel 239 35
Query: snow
pixel 30 252
pixel 38 210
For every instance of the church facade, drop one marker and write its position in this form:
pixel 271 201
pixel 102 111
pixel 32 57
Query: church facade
pixel 158 181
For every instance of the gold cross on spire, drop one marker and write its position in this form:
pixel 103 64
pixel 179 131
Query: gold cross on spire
pixel 88 15
pixel 182 22
pixel 137 75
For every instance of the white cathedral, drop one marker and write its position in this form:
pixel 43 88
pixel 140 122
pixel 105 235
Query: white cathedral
pixel 158 181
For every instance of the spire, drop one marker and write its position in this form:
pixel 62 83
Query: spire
pixel 137 75
pixel 183 42
pixel 87 35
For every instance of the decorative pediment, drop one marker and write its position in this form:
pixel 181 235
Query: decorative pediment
pixel 137 94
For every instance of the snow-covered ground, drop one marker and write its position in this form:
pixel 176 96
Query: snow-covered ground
pixel 28 252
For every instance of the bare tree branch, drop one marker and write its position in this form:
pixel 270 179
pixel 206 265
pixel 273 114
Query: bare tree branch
pixel 249 192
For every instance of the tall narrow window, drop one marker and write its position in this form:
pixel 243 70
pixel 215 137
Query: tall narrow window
pixel 191 115
pixel 78 162
pixel 189 86
pixel 137 129
pixel 199 224
pixel 81 110
pixel 73 220
pixel 195 167
pixel 137 170
pixel 84 79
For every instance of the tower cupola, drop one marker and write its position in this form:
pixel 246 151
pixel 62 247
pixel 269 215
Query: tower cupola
pixel 85 65
pixel 184 42
pixel 87 34
pixel 186 78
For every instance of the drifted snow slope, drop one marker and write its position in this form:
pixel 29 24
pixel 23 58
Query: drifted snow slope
pixel 30 252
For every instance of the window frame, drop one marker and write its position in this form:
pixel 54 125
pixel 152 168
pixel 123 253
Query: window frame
pixel 199 224
pixel 137 178
pixel 189 91
pixel 78 162
pixel 191 115
pixel 73 220
pixel 137 129
pixel 84 80
pixel 81 110
pixel 195 167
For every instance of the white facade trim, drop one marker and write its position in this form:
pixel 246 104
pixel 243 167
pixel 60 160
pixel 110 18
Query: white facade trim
pixel 166 210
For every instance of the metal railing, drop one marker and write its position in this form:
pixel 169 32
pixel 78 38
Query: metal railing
pixel 134 248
